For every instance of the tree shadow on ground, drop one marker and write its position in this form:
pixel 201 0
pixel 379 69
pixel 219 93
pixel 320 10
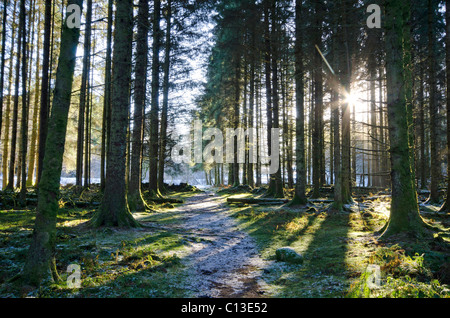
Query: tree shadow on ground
pixel 324 272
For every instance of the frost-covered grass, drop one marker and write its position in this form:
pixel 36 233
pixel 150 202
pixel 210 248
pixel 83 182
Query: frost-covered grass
pixel 337 250
pixel 140 262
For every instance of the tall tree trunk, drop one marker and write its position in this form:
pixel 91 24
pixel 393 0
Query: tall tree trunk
pixel 24 118
pixel 40 263
pixel 251 106
pixel 44 108
pixel 154 112
pixel 258 122
pixel 165 103
pixel 268 81
pixel 8 105
pixel 279 191
pixel 2 63
pixel 106 122
pixel 336 120
pixel 421 119
pixel 372 69
pixel 34 132
pixel 236 119
pixel 434 122
pixel 12 159
pixel 114 210
pixel 383 135
pixel 346 131
pixel 317 132
pixel 245 119
pixel 300 185
pixel 446 205
pixel 404 216
pixel 135 200
pixel 83 95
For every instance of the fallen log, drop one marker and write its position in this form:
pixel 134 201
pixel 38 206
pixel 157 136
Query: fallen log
pixel 165 200
pixel 80 204
pixel 320 200
pixel 267 201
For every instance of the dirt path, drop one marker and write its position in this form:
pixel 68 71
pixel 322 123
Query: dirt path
pixel 225 261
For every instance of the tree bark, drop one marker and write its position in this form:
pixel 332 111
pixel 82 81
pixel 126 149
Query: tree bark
pixel 154 112
pixel 404 214
pixel 446 205
pixel 44 108
pixel 84 96
pixel 114 210
pixel 300 185
pixel 40 262
pixel 346 173
pixel 279 191
pixel 165 103
pixel 2 63
pixel 135 200
pixel 434 132
pixel 24 118
pixel 12 158
pixel 8 105
pixel 34 133
pixel 106 122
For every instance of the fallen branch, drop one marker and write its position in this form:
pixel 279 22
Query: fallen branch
pixel 165 200
pixel 256 201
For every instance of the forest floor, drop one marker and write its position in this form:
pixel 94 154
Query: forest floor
pixel 206 247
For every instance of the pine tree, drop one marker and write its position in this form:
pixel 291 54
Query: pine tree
pixel 82 110
pixel 44 108
pixel 154 112
pixel 114 210
pixel 300 188
pixel 40 264
pixel 135 200
pixel 2 63
pixel 404 216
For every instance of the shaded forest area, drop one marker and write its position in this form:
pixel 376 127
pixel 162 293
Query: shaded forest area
pixel 350 99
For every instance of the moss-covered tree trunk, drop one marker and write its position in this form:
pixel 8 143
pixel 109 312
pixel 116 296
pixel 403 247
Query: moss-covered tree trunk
pixel 114 210
pixel 404 216
pixel 40 262
pixel 433 109
pixel 135 200
pixel 446 205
